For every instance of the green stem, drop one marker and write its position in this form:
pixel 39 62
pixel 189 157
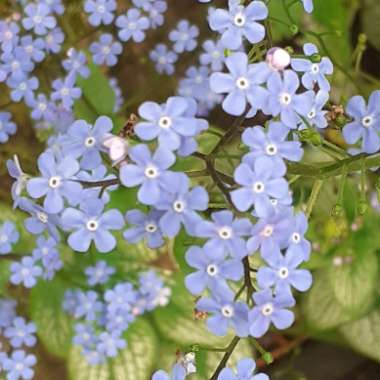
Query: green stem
pixel 313 197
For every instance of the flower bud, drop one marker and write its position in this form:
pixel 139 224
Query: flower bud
pixel 362 207
pixel 294 29
pixel 117 148
pixel 278 58
pixel 337 210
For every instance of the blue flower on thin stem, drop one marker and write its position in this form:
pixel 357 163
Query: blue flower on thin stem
pixel 99 273
pixel 213 269
pixel 225 232
pixel 270 309
pixel 365 124
pixel 164 59
pixel 213 55
pixel 240 83
pixel 38 17
pixel 132 25
pixel 314 73
pixel 25 272
pixel 178 373
pixel 56 182
pixel 238 22
pixel 92 223
pixel 101 11
pixel 8 35
pixel 21 333
pixel 149 172
pixel 106 50
pixel 19 365
pixel 8 236
pixel 65 91
pixel 146 226
pixel 34 48
pixel 7 126
pixel 184 38
pixel 226 313
pixel 245 369
pixel 76 63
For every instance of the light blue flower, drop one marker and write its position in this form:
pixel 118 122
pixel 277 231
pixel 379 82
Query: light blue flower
pixel 184 38
pixel 76 63
pixel 25 272
pixel 34 48
pixel 8 236
pixel 19 365
pixel 54 40
pixel 22 88
pixel 106 50
pixel 132 25
pixel 213 55
pixel 164 59
pixel 21 333
pixel 7 126
pixel 178 373
pixel 245 369
pixel 101 11
pixel 39 18
pixel 65 90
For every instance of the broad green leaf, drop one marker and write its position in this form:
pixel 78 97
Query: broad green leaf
pixel 84 112
pixel 207 141
pixel 54 326
pixel 364 335
pixel 188 164
pixel 4 275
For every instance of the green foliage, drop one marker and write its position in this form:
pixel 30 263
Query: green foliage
pixel 370 21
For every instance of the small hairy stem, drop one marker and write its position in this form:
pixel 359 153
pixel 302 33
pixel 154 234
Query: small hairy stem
pixel 313 197
pixel 247 279
pixel 104 184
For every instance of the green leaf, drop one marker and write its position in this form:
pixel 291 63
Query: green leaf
pixel 97 92
pixel 84 112
pixel 369 16
pixel 4 275
pixel 136 362
pixel 54 326
pixel 364 335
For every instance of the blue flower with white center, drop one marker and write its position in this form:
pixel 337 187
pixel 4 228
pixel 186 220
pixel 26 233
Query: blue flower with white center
pixel 21 333
pixel 213 269
pixel 132 25
pixel 365 124
pixel 76 63
pixel 226 313
pixel 19 365
pixel 145 5
pixel 155 13
pixel 100 11
pixel 308 5
pixel 55 6
pixel 84 335
pixel 38 17
pixel 167 122
pixel 271 143
pixel 225 232
pixel 284 101
pixel 178 373
pixel 270 233
pixel 316 116
pixel 146 226
pixel 213 55
pixel 22 88
pixel 25 272
pixel 100 273
pixel 119 320
pixel 245 369
pixel 297 241
pixel 7 312
pixel 261 180
pixel 196 82
pixel 54 40
pixel 85 141
pixel 164 59
pixel 8 35
pixel 34 48
pixel 240 83
pixel 88 305
pixel 184 38
pixel 180 206
pixel 149 172
pixel 120 299
pixel 92 223
pixel 8 236
pixel 17 63
pixel 110 343
pixel 41 107
pixel 270 309
pixel 65 90
pixel 106 50
pixel 56 182
pixel 7 126
pixel 314 73
pixel 283 272
pixel 238 22
pixel 46 251
pixel 40 220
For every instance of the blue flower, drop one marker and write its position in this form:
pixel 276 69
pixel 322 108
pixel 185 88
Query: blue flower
pixel 178 373
pixel 155 13
pixel 84 141
pixel 167 122
pixel 22 88
pixel 110 342
pixel 8 35
pixel 76 63
pixel 366 122
pixel 314 73
pixel 240 83
pixel 55 6
pixel 7 126
pixel 120 299
pixel 21 333
pixel 132 25
pixel 41 107
pixel 225 313
pixel 118 94
pixel 297 241
pixel 308 5
pixel 33 48
pixel 196 82
pixel 56 182
pixel 149 172
pixel 7 311
pixel 239 22
pixel 245 369
pixel 261 181
pixel 88 305
pixel 99 273
pixel 65 90
pixel 146 226
pixel 106 50
pixel 54 40
pixel 283 99
pixel 91 223
pixel 8 236
pixel 317 116
pixel 84 335
pixel 18 365
pixel 17 63
pixel 164 59
pixel 213 269
pixel 225 232
pixel 38 17
pixel 25 272
pixel 184 38
pixel 270 309
pixel 101 11
pixel 213 55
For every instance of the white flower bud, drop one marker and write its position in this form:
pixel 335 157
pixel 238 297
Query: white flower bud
pixel 117 148
pixel 278 58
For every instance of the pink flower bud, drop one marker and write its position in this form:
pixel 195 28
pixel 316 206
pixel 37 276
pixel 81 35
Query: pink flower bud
pixel 117 148
pixel 278 58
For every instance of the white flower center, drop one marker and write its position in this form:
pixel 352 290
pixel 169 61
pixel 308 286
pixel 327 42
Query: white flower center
pixel 150 227
pixel 258 187
pixel 179 206
pixel 101 8
pixel 25 272
pixel 151 172
pixel 239 19
pixel 212 270
pixel 3 238
pixel 106 50
pixel 132 26
pixel 267 231
pixel 165 122
pixel 90 142
pixel 42 106
pixel 285 98
pixel 42 217
pixel 367 121
pixel 8 35
pixel 215 54
pixel 37 19
pixel 296 238
pixel 65 91
pixel 225 233
pixel 22 86
pixel 242 83
pixel 283 273
pixel 312 114
pixel 198 79
pixel 19 367
pixel 55 182
pixel 162 60
pixel 15 65
pixel 184 36
pixel 315 68
pixel 228 311
pixel 271 149
pixel 92 225
pixel 267 309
